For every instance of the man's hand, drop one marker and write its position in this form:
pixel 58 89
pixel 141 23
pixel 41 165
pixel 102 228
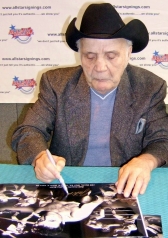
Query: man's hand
pixel 134 176
pixel 45 170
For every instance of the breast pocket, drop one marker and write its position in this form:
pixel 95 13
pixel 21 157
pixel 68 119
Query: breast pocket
pixel 140 125
pixel 136 136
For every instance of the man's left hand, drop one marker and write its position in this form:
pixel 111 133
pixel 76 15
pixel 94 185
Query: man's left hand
pixel 134 176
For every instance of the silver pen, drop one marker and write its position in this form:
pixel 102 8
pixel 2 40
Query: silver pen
pixel 61 178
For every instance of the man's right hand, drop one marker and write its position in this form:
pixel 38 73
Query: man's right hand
pixel 45 170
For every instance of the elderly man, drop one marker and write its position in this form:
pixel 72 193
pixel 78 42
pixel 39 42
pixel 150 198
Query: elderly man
pixel 102 113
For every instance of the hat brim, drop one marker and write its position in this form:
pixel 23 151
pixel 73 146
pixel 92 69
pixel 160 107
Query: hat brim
pixel 134 31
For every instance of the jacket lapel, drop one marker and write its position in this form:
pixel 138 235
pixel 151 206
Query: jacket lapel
pixel 121 120
pixel 77 111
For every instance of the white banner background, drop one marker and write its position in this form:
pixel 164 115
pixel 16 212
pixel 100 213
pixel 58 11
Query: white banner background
pixel 39 44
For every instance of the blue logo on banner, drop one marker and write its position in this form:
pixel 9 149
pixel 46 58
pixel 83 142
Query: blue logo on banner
pixel 161 60
pixel 26 86
pixel 22 35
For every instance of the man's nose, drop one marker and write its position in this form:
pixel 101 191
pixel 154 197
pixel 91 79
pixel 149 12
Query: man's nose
pixel 100 65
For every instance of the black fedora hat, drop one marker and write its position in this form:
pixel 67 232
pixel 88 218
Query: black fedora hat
pixel 102 21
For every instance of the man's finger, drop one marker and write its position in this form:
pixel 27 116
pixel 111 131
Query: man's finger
pixel 60 163
pixel 122 178
pixel 143 188
pixel 145 184
pixel 43 179
pixel 137 186
pixel 45 172
pixel 130 185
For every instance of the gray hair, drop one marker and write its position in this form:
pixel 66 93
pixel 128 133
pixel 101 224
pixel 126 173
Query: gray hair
pixel 129 42
pixel 78 44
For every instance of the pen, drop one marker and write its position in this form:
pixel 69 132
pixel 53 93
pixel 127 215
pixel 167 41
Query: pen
pixel 61 178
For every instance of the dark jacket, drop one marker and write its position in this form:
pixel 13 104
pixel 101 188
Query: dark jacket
pixel 139 122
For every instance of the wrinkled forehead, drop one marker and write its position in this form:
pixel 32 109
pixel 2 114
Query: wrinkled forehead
pixel 98 45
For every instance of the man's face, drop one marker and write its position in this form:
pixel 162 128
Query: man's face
pixel 104 61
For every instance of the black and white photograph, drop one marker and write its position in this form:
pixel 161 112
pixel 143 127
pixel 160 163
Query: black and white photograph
pixel 88 210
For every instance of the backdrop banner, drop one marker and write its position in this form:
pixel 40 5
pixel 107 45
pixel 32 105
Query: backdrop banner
pixel 32 41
